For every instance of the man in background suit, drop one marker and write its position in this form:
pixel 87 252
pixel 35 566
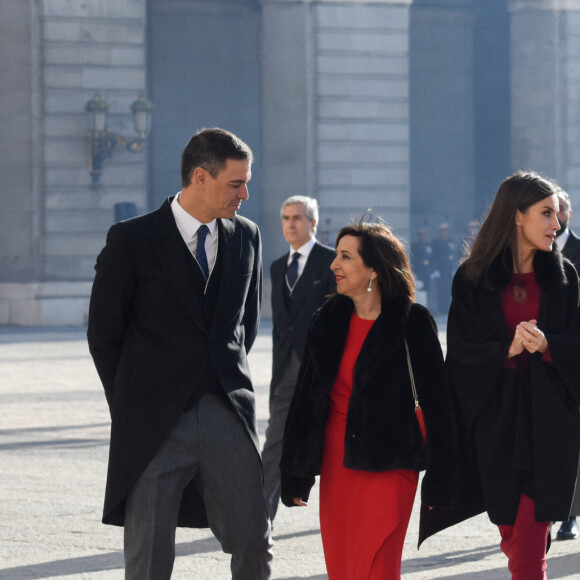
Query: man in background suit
pixel 566 240
pixel 301 281
pixel 174 311
pixel 569 244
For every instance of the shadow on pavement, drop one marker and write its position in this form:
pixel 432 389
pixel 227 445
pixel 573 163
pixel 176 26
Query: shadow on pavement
pixel 56 442
pixel 558 567
pixel 449 559
pixel 295 535
pixel 62 443
pixel 96 563
pixel 50 429
pixel 63 568
pixel 319 577
pixel 17 334
pixel 114 561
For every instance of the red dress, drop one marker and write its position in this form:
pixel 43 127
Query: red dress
pixel 363 515
pixel 521 301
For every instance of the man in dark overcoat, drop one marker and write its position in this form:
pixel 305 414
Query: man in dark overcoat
pixel 566 240
pixel 301 282
pixel 174 311
pixel 569 244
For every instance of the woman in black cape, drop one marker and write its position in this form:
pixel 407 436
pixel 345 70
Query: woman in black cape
pixel 513 361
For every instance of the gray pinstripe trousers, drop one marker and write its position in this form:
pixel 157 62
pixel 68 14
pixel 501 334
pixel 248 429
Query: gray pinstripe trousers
pixel 280 401
pixel 210 447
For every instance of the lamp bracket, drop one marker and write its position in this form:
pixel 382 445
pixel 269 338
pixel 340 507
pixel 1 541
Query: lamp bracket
pixel 103 144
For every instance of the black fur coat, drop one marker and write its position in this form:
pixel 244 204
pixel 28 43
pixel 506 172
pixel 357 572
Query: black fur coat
pixel 382 432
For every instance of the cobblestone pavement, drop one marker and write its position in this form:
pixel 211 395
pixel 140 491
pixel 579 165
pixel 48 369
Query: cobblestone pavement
pixel 54 442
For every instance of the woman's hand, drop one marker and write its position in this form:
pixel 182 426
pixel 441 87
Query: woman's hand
pixel 532 338
pixel 298 501
pixel 517 345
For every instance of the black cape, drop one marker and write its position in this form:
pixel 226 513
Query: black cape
pixel 478 341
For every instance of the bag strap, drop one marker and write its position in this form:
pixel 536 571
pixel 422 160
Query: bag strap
pixel 413 388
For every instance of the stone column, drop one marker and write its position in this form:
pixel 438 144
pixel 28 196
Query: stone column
pixel 545 61
pixel 20 214
pixel 288 115
pixel 53 223
pixel 335 111
pixel 21 217
pixel 538 87
pixel 442 114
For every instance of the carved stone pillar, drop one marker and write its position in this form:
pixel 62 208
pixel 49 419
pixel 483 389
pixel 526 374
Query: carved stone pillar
pixel 335 94
pixel 545 63
pixel 442 114
pixel 537 98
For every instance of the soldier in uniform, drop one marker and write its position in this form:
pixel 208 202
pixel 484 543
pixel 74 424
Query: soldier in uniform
pixel 421 254
pixel 444 265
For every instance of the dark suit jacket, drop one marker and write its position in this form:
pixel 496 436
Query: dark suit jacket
pixel 153 348
pixel 572 249
pixel 314 285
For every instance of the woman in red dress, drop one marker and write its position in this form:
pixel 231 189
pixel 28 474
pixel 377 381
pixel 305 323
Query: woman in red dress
pixel 353 417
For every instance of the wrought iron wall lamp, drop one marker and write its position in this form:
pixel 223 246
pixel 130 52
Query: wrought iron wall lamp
pixel 103 143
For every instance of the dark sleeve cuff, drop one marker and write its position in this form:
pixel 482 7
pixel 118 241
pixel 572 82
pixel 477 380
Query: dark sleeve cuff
pixel 294 486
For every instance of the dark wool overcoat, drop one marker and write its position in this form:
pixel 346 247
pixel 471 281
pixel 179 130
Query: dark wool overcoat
pixel 518 432
pixel 290 321
pixel 155 349
pixel 382 432
pixel 571 249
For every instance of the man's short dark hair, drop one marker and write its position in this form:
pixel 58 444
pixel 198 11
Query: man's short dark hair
pixel 210 149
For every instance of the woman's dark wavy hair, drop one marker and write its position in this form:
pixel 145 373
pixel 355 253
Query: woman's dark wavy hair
pixel 381 250
pixel 497 236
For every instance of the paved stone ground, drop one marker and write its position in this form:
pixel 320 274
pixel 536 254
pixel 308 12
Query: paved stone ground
pixel 54 441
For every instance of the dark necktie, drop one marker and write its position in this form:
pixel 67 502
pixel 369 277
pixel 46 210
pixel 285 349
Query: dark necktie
pixel 292 270
pixel 200 254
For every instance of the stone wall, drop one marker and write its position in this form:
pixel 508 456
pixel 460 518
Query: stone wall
pixel 360 103
pixel 335 112
pixel 545 41
pixel 72 50
pixel 569 30
pixel 442 115
pixel 20 120
pixel 362 85
pixel 88 47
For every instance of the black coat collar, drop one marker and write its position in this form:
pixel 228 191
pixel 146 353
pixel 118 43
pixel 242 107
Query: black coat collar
pixel 330 324
pixel 548 266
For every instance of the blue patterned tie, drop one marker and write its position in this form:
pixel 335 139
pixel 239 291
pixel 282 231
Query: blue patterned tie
pixel 292 270
pixel 200 254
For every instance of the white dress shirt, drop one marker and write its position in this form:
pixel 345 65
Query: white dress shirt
pixel 188 226
pixel 304 252
pixel 562 239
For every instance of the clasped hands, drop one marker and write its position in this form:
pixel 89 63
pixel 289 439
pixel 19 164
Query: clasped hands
pixel 528 336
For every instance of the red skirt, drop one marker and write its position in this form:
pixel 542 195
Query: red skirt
pixel 363 515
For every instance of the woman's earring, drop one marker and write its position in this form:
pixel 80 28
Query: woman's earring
pixel 370 288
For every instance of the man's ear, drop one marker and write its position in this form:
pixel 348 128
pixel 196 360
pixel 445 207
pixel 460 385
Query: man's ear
pixel 199 176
